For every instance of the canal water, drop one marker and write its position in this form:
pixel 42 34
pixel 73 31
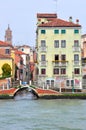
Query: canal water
pixel 29 114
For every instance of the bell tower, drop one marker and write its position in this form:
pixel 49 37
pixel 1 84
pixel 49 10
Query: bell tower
pixel 8 35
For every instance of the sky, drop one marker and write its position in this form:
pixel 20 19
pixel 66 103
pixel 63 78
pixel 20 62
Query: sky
pixel 21 15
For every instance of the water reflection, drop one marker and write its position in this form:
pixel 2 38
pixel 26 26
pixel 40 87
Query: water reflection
pixel 24 94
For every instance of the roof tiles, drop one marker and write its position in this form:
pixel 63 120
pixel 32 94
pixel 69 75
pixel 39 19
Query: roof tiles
pixel 53 21
pixel 59 23
pixel 5 44
pixel 39 15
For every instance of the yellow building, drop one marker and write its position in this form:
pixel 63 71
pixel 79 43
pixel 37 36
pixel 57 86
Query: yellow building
pixel 58 52
pixel 5 59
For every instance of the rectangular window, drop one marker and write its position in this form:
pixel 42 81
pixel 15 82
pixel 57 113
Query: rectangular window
pixel 43 71
pixel 56 57
pixel 63 57
pixel 43 43
pixel 56 43
pixel 76 31
pixel 52 83
pixel 7 51
pixel 48 82
pixel 43 31
pixel 76 43
pixel 68 82
pixel 76 71
pixel 56 31
pixel 76 57
pixel 43 58
pixel 63 71
pixel 63 31
pixel 63 43
pixel 55 71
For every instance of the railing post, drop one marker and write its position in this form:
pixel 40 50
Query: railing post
pixel 3 86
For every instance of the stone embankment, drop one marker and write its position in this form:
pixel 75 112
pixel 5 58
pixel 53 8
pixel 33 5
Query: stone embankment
pixel 44 94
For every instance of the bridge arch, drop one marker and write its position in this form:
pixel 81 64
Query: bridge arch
pixel 27 89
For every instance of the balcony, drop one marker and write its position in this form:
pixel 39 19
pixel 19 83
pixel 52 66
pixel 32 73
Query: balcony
pixel 76 49
pixel 43 63
pixel 61 63
pixel 43 49
pixel 77 63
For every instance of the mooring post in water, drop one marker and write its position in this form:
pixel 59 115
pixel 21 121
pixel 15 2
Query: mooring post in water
pixel 30 82
pixel 3 86
pixel 60 87
pixel 7 86
pixel 20 82
pixel 43 86
pixel 47 86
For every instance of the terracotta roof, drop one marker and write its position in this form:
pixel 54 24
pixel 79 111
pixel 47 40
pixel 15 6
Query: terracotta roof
pixel 59 23
pixel 5 57
pixel 24 46
pixel 19 52
pixel 5 44
pixel 39 15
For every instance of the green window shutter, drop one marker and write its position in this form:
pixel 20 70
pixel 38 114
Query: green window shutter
pixel 56 31
pixel 76 31
pixel 63 31
pixel 43 31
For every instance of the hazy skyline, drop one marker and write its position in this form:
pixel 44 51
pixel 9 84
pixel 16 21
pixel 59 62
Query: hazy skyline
pixel 21 16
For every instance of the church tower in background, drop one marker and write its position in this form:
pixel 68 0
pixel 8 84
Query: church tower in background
pixel 8 35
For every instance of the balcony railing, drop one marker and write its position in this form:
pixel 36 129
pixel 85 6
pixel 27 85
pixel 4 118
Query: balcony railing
pixel 43 49
pixel 60 63
pixel 43 63
pixel 76 49
pixel 77 63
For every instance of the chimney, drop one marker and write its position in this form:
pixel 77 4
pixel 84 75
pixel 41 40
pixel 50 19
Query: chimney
pixel 70 19
pixel 77 21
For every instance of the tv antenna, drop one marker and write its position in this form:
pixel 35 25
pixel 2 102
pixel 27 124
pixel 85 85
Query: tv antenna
pixel 55 5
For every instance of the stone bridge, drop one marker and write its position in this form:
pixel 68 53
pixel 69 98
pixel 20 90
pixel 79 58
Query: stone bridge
pixel 38 92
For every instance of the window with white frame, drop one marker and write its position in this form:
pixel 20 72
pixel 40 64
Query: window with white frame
pixel 70 82
pixel 63 70
pixel 43 31
pixel 76 31
pixel 43 43
pixel 56 43
pixel 76 43
pixel 56 31
pixel 43 58
pixel 63 57
pixel 63 43
pixel 63 31
pixel 7 51
pixel 56 57
pixel 43 71
pixel 76 70
pixel 56 71
pixel 76 57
